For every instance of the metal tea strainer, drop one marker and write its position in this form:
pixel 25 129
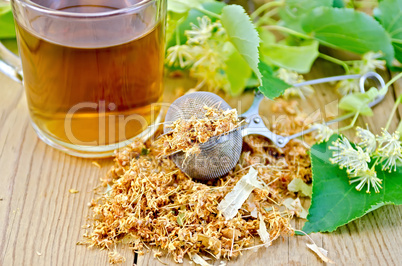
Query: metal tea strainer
pixel 221 153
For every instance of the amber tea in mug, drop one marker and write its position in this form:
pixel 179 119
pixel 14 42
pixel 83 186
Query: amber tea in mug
pixel 93 70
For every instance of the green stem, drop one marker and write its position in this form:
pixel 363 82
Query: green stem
pixel 264 7
pixel 396 41
pixel 375 163
pixel 287 30
pixel 265 17
pixel 351 4
pixel 265 21
pixel 397 102
pixel 178 41
pixel 335 61
pixel 345 116
pixel 398 129
pixel 392 81
pixel 351 124
pixel 350 62
pixel 209 13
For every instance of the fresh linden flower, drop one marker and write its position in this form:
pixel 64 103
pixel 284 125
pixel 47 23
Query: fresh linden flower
pixel 179 54
pixel 323 132
pixel 213 80
pixel 367 140
pixel 208 57
pixel 292 77
pixel 219 30
pixel 370 62
pixel 369 178
pixel 208 67
pixel 354 160
pixel 391 161
pixel 389 150
pixel 347 86
pixel 201 33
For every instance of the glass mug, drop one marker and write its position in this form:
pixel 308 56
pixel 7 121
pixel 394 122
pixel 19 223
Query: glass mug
pixel 92 70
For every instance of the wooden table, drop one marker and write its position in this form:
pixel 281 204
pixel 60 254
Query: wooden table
pixel 41 222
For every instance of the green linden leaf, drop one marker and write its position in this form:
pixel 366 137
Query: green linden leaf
pixel 335 202
pixel 253 81
pixel 358 102
pixel 294 11
pixel 348 29
pixel 389 13
pixel 7 28
pixel 242 34
pixel 272 86
pixel 237 71
pixel 338 3
pixel 183 6
pixel 266 36
pixel 297 58
pixel 395 68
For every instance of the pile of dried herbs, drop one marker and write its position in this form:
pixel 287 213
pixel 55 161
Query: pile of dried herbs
pixel 151 203
pixel 186 135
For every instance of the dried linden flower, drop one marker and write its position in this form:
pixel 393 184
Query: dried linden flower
pixel 115 257
pixel 150 202
pixel 186 135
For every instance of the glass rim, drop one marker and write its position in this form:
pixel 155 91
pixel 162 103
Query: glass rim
pixel 121 11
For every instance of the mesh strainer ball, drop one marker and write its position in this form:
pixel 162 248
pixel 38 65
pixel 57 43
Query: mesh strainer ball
pixel 219 154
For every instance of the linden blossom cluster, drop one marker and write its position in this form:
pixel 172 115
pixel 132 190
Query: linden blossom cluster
pixel 204 54
pixel 385 149
pixel 368 63
pixel 292 77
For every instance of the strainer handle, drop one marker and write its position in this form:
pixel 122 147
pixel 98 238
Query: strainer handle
pixel 253 110
pixel 369 75
pixel 256 126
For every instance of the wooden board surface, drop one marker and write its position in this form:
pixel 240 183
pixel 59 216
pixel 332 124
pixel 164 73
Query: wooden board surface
pixel 40 221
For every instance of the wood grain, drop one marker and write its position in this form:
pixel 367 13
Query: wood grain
pixel 40 221
pixel 371 240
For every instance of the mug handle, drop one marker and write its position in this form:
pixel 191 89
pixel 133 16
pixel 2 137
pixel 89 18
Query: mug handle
pixel 10 64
